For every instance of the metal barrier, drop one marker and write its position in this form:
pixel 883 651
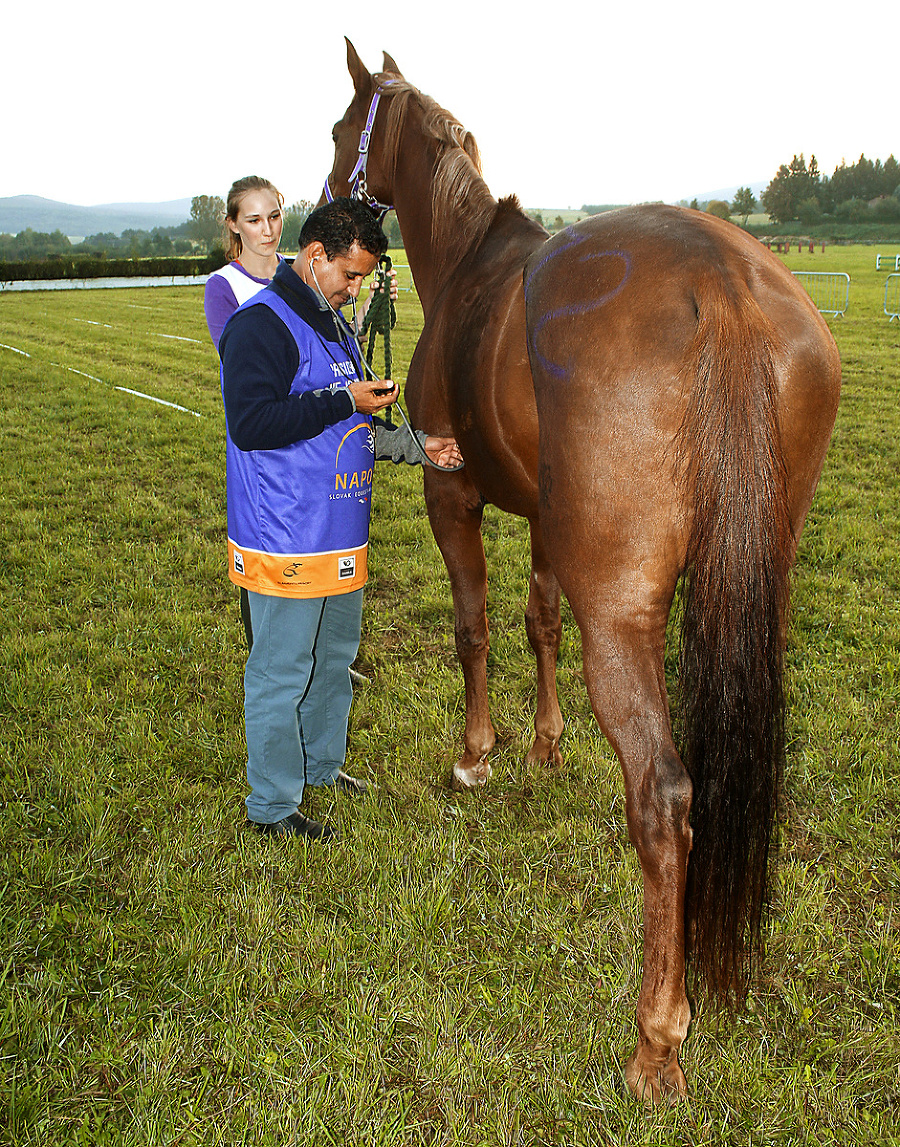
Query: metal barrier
pixel 829 290
pixel 887 260
pixel 892 297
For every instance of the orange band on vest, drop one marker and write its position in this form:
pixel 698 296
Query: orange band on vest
pixel 298 575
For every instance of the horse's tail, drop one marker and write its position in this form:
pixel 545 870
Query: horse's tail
pixel 735 604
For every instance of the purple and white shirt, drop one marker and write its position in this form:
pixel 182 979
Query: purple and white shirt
pixel 226 290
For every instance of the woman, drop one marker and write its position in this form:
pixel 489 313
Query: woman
pixel 254 220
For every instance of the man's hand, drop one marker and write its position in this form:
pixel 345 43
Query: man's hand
pixel 363 307
pixel 443 451
pixel 368 399
pixel 392 275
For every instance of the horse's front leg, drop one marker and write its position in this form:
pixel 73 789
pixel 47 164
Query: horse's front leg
pixel 455 510
pixel 544 628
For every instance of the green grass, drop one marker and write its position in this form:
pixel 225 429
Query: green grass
pixel 456 970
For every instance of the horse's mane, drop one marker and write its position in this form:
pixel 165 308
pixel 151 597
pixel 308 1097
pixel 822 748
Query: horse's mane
pixel 462 206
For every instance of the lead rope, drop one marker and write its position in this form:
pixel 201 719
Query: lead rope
pixel 381 318
pixel 386 317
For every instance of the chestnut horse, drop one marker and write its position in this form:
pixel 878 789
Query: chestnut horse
pixel 655 393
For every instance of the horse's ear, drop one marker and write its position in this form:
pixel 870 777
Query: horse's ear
pixel 362 80
pixel 390 66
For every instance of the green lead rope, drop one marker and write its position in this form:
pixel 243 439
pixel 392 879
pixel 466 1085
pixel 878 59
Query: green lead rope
pixel 381 317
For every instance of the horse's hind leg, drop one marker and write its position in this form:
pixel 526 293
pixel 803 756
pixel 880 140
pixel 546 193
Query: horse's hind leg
pixel 455 510
pixel 623 663
pixel 543 625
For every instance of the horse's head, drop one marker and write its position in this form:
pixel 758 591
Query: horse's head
pixel 360 164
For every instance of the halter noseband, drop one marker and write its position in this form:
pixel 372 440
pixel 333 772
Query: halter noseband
pixel 357 177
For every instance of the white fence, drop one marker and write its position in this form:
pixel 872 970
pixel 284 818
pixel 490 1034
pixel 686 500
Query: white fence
pixel 829 290
pixel 887 260
pixel 96 284
pixel 892 297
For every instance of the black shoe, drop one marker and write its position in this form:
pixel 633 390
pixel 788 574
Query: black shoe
pixel 294 825
pixel 351 785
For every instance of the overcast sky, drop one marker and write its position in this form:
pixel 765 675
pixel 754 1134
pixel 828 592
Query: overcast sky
pixel 584 103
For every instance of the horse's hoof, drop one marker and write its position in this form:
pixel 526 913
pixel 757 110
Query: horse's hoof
pixel 473 777
pixel 544 752
pixel 653 1084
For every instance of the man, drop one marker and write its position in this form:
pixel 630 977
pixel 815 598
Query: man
pixel 300 451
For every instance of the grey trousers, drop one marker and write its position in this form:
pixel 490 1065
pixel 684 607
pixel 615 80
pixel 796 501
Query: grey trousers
pixel 297 696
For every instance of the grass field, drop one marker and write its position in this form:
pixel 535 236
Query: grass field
pixel 456 969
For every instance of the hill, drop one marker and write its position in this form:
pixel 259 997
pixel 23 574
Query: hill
pixel 20 211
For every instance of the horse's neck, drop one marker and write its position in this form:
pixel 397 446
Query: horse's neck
pixel 463 222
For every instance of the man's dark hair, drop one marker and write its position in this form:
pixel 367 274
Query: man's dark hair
pixel 340 224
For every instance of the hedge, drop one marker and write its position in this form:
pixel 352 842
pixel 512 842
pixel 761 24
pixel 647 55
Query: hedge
pixel 63 267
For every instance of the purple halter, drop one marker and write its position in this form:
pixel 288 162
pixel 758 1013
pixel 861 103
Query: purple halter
pixel 357 177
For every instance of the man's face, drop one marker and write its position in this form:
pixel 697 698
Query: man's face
pixel 340 279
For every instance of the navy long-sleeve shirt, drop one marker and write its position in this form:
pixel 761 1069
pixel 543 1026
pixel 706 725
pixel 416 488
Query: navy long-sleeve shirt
pixel 260 359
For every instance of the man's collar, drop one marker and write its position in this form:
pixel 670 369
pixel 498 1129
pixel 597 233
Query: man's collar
pixel 288 280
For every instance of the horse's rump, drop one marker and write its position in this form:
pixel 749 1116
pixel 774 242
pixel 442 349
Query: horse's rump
pixel 673 374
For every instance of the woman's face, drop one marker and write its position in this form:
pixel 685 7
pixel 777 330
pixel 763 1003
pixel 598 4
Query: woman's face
pixel 259 222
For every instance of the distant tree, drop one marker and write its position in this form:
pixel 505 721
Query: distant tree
pixel 538 218
pixel 207 213
pixel 161 242
pixel 695 206
pixel 866 179
pixel 809 211
pixel 887 210
pixel 558 223
pixel 31 244
pixel 743 204
pixel 100 244
pixel 294 218
pixel 793 183
pixel 392 230
pixel 890 174
pixel 719 208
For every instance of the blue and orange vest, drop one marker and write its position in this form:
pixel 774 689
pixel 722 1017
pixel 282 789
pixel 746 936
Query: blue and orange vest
pixel 298 517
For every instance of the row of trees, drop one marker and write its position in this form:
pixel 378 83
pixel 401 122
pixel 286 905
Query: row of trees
pixel 863 191
pixel 160 242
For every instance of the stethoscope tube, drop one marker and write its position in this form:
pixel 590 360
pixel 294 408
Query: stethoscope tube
pixel 343 331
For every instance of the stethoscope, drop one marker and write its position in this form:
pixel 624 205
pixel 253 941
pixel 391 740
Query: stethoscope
pixel 345 331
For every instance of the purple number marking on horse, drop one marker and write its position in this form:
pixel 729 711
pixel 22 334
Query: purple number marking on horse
pixel 553 368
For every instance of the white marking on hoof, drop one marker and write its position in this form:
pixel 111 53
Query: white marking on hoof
pixel 471 778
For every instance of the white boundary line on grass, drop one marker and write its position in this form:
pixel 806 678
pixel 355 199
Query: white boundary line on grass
pixel 81 372
pixel 180 338
pixel 124 389
pixel 161 401
pixel 15 350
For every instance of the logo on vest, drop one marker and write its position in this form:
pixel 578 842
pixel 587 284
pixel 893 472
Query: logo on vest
pixel 238 562
pixel 354 483
pixel 293 569
pixel 346 567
